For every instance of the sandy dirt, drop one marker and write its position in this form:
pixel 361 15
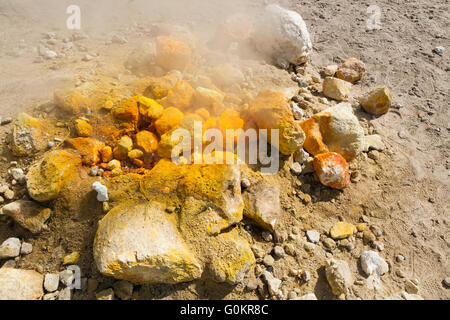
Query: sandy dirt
pixel 404 193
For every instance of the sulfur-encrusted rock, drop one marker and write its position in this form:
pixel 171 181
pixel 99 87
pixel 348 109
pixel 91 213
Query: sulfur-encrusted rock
pixel 71 100
pixel 336 129
pixel 351 70
pixel 29 135
pixel 88 149
pixel 49 175
pixel 171 54
pixel 149 108
pixel 83 128
pixel 342 230
pixel 138 242
pixel 124 146
pixel 127 110
pixel 146 141
pixel 18 284
pixel 208 99
pixel 377 101
pixel 270 110
pixel 339 276
pixel 282 34
pixel 336 89
pixel 170 118
pixel 159 88
pixel 234 261
pixel 332 170
pixel 180 96
pixel 262 205
pixel 28 214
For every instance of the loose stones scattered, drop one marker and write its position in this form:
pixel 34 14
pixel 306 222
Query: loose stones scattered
pixel 51 282
pixel 332 170
pixel 377 101
pixel 262 205
pixel 313 236
pixel 373 264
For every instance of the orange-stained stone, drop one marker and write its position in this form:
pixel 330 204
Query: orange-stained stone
pixel 138 163
pixel 332 170
pixel 83 128
pixel 127 110
pixel 170 118
pixel 351 70
pixel 149 108
pixel 158 88
pixel 171 54
pixel 314 141
pixel 88 148
pixel 106 153
pixel 146 141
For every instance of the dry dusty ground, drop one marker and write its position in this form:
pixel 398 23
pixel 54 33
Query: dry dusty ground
pixel 405 193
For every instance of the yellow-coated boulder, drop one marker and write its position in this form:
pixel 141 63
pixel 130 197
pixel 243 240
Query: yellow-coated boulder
pixel 377 101
pixel 170 118
pixel 270 110
pixel 29 135
pixel 180 96
pixel 138 242
pixel 83 128
pixel 171 54
pixel 49 175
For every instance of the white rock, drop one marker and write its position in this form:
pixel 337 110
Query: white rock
pixel 102 191
pixel 301 156
pixel 10 248
pixel 26 248
pixel 18 284
pixel 299 114
pixel 18 175
pixel 330 70
pixel 51 282
pixel 313 236
pixel 66 277
pixel 309 296
pixel 372 263
pixel 439 50
pixel 282 34
pixel 273 283
pixel 296 168
pixel 374 142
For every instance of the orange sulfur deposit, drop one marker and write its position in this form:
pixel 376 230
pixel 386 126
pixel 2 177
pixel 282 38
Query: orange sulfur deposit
pixel 332 170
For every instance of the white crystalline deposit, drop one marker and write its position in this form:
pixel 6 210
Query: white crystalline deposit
pixel 372 263
pixel 102 191
pixel 282 34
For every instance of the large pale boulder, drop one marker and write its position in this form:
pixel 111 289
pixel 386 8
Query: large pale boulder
pixel 139 242
pixel 18 284
pixel 49 175
pixel 335 129
pixel 282 34
pixel 270 110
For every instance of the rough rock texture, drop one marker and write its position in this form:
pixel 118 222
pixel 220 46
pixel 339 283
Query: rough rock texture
pixel 88 148
pixel 282 34
pixel 139 243
pixel 336 129
pixel 49 175
pixel 29 135
pixel 372 263
pixel 377 101
pixel 339 276
pixel 262 205
pixel 342 230
pixel 336 89
pixel 270 110
pixel 17 284
pixel 351 70
pixel 332 170
pixel 28 214
pixel 10 248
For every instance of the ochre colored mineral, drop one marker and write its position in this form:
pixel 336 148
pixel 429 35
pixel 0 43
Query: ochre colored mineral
pixel 332 170
pixel 171 54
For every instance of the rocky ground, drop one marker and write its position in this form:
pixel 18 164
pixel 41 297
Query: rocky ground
pixel 395 206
